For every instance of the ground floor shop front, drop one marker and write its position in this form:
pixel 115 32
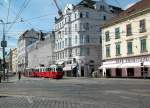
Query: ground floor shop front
pixel 136 72
pixel 132 67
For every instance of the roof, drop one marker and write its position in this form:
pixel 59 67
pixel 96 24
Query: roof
pixel 139 6
pixel 87 3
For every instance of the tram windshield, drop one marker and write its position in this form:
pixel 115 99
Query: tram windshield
pixel 59 70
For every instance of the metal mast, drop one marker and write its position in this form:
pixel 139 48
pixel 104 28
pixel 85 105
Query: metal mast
pixel 59 10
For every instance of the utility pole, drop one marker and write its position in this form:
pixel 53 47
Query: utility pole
pixel 3 45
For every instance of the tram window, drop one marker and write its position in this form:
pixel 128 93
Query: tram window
pixel 49 69
pixel 59 69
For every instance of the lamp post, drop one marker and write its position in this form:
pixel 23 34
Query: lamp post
pixel 3 45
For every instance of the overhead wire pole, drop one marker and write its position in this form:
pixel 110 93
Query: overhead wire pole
pixel 3 45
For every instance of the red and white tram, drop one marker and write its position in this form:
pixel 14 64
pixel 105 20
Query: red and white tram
pixel 54 71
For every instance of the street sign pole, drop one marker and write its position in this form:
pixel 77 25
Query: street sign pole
pixel 3 45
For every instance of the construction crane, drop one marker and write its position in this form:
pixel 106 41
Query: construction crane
pixel 59 10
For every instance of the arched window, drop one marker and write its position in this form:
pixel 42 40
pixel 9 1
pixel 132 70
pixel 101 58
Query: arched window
pixel 104 17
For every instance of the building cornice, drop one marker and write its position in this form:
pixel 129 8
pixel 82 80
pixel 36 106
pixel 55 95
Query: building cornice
pixel 120 20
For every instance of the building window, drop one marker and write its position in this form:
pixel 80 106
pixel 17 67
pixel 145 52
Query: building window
pixel 65 31
pixel 81 39
pixel 129 47
pixel 104 17
pixel 69 30
pixel 76 39
pixel 117 33
pixel 86 26
pixel 69 18
pixel 75 27
pixel 76 51
pixel 129 29
pixel 65 20
pixel 66 43
pixel 108 51
pixel 63 55
pixel 87 14
pixel 143 45
pixel 102 7
pixel 87 39
pixel 142 26
pixel 62 44
pixel 75 16
pixel 56 46
pixel 66 53
pixel 70 53
pixel 118 49
pixel 81 15
pixel 107 36
pixel 84 51
pixel 70 41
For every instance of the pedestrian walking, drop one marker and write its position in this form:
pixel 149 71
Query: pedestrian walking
pixel 19 75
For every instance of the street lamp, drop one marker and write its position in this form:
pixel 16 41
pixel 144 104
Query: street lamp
pixel 3 44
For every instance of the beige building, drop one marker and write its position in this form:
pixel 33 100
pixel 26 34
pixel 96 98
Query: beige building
pixel 14 60
pixel 126 43
pixel 27 38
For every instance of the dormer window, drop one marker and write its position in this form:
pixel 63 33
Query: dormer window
pixel 104 17
pixel 87 14
pixel 81 15
pixel 102 7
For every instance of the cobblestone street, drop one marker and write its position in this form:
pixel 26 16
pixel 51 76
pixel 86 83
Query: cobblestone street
pixel 75 93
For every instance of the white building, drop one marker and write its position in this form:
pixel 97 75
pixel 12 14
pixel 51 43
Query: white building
pixel 77 32
pixel 126 43
pixel 26 39
pixel 41 53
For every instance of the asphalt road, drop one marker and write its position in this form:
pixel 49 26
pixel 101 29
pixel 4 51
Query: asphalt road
pixel 75 93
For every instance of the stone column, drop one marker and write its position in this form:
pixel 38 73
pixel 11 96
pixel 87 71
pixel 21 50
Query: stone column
pixel 137 72
pixel 113 72
pixel 124 72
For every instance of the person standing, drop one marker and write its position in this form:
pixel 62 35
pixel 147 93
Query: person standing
pixel 19 75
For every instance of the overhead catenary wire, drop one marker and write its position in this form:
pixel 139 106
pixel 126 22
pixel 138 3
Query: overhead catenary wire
pixel 23 6
pixel 8 12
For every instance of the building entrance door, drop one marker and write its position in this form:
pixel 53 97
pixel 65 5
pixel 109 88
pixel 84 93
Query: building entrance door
pixel 82 71
pixel 130 72
pixel 118 72
pixel 108 73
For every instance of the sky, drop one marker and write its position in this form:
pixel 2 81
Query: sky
pixel 37 14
